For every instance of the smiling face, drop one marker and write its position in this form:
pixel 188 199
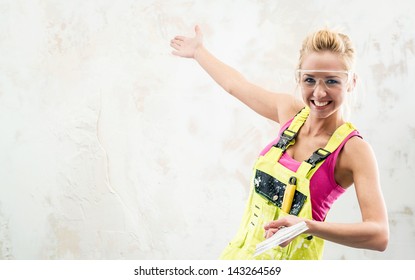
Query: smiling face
pixel 324 82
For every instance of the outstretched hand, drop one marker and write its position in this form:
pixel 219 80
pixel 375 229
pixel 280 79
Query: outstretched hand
pixel 185 46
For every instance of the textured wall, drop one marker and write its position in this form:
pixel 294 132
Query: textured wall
pixel 111 148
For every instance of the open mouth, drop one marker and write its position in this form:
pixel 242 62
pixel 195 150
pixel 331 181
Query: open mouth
pixel 320 104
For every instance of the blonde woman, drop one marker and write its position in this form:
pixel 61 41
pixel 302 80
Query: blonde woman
pixel 315 158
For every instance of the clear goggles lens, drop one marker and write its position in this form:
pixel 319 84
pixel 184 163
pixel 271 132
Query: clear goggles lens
pixel 332 79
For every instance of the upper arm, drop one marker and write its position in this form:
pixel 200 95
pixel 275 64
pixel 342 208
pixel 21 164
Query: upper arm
pixel 363 167
pixel 278 107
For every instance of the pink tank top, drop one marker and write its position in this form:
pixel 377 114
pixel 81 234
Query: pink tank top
pixel 324 189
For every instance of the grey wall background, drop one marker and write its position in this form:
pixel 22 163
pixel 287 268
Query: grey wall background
pixel 111 148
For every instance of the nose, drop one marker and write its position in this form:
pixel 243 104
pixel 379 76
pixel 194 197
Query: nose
pixel 320 89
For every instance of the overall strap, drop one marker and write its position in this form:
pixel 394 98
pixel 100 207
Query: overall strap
pixel 287 137
pixel 311 165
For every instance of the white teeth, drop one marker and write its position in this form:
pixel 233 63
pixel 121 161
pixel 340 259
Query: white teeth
pixel 320 104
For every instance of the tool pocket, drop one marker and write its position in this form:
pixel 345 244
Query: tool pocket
pixel 273 190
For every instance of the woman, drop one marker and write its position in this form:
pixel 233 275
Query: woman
pixel 318 155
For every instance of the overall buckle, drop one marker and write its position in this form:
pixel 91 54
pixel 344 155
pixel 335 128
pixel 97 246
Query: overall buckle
pixel 286 137
pixel 318 156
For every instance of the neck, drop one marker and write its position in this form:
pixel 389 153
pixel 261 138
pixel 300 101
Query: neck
pixel 322 126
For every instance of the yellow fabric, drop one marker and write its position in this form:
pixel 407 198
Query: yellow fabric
pixel 259 210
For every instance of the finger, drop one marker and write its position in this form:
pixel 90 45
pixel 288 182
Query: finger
pixel 177 48
pixel 270 232
pixel 175 44
pixel 197 30
pixel 175 53
pixel 180 38
pixel 274 224
pixel 284 244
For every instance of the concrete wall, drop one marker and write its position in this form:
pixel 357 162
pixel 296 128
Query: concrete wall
pixel 111 148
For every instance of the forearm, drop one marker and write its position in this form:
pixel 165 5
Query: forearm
pixel 261 101
pixel 367 235
pixel 227 77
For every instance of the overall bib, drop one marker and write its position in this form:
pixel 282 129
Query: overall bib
pixel 268 184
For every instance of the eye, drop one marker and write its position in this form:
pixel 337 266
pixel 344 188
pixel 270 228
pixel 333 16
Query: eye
pixel 309 81
pixel 332 82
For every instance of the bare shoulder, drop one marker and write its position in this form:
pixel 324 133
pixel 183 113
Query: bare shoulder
pixel 357 155
pixel 356 161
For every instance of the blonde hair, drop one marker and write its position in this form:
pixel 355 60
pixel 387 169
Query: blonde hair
pixel 329 40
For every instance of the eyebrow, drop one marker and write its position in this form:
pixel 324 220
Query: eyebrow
pixel 331 74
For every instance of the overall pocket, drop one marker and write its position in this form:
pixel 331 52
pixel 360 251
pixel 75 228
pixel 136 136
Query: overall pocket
pixel 273 190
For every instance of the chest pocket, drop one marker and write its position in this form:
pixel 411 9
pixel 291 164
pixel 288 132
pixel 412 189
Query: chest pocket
pixel 273 190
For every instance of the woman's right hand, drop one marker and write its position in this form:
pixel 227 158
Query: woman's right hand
pixel 185 46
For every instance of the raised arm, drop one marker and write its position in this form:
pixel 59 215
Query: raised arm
pixel 275 106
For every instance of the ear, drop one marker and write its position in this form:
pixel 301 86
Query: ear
pixel 353 82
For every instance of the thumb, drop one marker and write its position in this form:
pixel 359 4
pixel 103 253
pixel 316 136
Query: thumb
pixel 198 31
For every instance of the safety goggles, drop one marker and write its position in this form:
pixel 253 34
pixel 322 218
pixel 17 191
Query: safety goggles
pixel 332 79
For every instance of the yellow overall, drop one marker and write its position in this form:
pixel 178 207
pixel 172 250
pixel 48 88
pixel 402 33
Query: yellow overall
pixel 265 199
